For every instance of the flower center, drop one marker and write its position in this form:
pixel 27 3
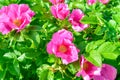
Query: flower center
pixel 55 1
pixel 17 22
pixel 62 48
pixel 85 66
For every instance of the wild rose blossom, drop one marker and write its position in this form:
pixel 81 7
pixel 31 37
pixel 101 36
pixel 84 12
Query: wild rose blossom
pixel 61 46
pixel 15 17
pixel 107 73
pixel 90 2
pixel 104 1
pixel 60 11
pixel 90 71
pixel 56 1
pixel 75 18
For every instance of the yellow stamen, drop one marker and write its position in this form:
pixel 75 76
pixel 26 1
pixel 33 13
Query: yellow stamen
pixel 17 22
pixel 85 66
pixel 62 48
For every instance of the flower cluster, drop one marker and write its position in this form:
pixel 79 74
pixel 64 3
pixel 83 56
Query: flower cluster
pixel 15 17
pixel 60 10
pixel 61 43
pixel 90 71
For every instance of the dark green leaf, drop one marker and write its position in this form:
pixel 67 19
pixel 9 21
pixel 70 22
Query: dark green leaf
pixel 2 73
pixel 14 68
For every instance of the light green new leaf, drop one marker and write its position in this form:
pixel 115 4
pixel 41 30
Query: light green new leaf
pixel 9 55
pixel 116 17
pixel 21 58
pixel 93 45
pixel 50 75
pixel 43 72
pixel 91 19
pixel 108 50
pixel 95 58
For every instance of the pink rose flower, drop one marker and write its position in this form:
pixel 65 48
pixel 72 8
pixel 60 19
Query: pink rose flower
pixel 61 46
pixel 75 18
pixel 90 71
pixel 104 1
pixel 56 1
pixel 60 11
pixel 107 73
pixel 15 17
pixel 90 2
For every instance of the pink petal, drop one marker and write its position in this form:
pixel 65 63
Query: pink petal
pixel 91 2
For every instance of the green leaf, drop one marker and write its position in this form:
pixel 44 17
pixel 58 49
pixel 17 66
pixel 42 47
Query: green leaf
pixel 50 75
pixel 112 23
pixel 17 52
pixel 34 38
pixel 100 30
pixel 107 47
pixel 116 17
pixel 42 72
pixel 9 55
pixel 2 73
pixel 73 68
pixel 93 45
pixel 91 19
pixel 95 58
pixel 14 68
pixel 51 59
pixel 110 55
pixel 21 58
pixel 108 50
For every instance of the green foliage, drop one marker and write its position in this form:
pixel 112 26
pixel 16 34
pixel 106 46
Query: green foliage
pixel 23 55
pixel 92 19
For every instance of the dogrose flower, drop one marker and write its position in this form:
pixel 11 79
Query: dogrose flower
pixel 90 71
pixel 56 1
pixel 60 11
pixel 104 1
pixel 107 73
pixel 15 17
pixel 90 2
pixel 61 46
pixel 75 18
